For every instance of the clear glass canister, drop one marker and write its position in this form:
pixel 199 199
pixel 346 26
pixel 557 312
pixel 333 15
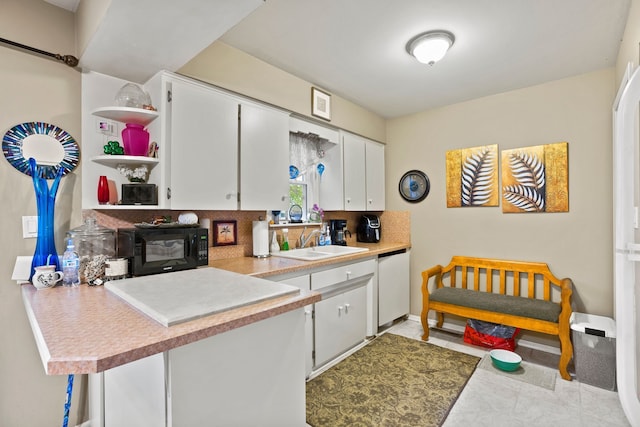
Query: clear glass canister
pixel 95 245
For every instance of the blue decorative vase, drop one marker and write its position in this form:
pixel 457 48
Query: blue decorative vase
pixel 45 253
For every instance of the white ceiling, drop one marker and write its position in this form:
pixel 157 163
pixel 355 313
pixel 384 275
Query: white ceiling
pixel 356 48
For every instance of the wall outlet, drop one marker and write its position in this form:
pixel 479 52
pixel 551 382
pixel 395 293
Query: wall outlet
pixel 29 227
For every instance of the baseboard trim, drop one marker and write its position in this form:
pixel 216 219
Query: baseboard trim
pixel 460 329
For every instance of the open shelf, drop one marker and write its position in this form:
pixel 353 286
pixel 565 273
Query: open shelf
pixel 114 160
pixel 127 115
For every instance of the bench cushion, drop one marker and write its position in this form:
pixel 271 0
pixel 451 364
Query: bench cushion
pixel 507 304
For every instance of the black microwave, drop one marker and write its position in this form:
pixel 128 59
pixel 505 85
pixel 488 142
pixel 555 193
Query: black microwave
pixel 160 250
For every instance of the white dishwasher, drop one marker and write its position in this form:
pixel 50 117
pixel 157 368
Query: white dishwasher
pixel 394 287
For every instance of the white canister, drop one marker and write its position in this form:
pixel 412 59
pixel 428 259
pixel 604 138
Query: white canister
pixel 260 239
pixel 116 269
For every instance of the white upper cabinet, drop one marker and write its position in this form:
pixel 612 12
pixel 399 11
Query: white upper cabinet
pixel 363 174
pixel 203 139
pixel 355 186
pixel 264 158
pixel 374 155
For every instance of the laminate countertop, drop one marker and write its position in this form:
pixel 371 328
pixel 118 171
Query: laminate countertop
pixel 273 266
pixel 89 329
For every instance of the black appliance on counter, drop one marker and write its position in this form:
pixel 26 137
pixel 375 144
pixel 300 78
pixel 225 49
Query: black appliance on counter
pixel 338 231
pixel 369 229
pixel 160 250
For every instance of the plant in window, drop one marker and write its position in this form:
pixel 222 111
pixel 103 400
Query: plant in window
pixel 317 213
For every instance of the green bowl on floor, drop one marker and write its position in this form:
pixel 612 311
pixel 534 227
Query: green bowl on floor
pixel 505 360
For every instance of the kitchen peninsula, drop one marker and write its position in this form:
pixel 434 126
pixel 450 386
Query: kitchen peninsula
pixel 208 369
pixel 211 368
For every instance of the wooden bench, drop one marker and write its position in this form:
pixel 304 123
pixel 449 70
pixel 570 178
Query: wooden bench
pixel 521 294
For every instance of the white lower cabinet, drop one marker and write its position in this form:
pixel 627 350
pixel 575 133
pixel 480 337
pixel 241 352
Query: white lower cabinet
pixel 342 315
pixel 341 323
pixel 249 376
pixel 304 283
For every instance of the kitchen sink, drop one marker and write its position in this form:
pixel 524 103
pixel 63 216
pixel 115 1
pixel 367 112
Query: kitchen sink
pixel 315 253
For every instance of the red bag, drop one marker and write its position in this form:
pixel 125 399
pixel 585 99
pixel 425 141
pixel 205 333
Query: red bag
pixel 490 335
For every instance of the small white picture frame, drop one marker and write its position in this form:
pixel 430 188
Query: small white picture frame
pixel 320 104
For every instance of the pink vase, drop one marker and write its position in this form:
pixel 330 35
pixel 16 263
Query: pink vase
pixel 135 140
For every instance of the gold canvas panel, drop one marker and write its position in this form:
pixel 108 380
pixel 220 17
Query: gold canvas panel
pixel 472 177
pixel 536 179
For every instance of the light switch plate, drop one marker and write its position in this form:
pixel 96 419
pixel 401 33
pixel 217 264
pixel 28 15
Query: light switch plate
pixel 105 127
pixel 29 227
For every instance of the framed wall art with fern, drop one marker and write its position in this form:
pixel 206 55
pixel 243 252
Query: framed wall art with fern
pixel 536 179
pixel 472 177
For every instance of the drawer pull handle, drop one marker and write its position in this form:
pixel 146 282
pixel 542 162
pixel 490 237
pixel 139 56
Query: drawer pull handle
pixel 339 310
pixel 346 308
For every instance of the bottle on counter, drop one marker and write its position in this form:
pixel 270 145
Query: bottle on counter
pixel 275 247
pixel 285 239
pixel 327 236
pixel 70 265
pixel 322 239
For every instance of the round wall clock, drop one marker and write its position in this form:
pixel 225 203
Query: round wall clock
pixel 414 186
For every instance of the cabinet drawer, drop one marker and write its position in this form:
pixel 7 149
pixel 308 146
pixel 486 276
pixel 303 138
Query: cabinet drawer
pixel 336 275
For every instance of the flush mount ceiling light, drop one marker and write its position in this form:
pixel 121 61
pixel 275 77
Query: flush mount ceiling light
pixel 430 47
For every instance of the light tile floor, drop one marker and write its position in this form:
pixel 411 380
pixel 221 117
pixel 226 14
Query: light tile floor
pixel 494 400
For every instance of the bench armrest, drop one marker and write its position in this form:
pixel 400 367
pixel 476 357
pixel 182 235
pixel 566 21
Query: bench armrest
pixel 429 273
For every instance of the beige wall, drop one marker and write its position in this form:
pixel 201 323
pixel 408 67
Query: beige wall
pixel 33 89
pixel 577 244
pixel 227 67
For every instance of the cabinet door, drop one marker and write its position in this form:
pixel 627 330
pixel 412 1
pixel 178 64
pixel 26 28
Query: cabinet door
pixel 374 154
pixel 393 287
pixel 304 283
pixel 340 323
pixel 204 148
pixel 354 172
pixel 134 394
pixel 264 158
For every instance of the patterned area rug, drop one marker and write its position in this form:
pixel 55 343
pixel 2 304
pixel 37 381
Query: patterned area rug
pixel 392 381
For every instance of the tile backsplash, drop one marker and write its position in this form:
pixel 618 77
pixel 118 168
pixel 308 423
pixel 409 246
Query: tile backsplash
pixel 395 225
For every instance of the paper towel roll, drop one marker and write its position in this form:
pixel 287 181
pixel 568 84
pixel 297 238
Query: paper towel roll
pixel 260 239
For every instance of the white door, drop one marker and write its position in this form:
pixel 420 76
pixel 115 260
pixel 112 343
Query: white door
pixel 264 158
pixel 374 153
pixel 354 173
pixel 627 244
pixel 204 148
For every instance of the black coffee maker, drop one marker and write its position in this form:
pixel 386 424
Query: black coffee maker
pixel 338 231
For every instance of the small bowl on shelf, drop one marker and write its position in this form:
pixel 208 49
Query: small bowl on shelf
pixel 505 360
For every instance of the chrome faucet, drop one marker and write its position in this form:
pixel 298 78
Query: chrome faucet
pixel 302 242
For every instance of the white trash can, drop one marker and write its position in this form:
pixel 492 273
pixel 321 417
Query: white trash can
pixel 594 349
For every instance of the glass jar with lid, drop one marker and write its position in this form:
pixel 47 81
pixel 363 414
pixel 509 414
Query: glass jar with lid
pixel 95 245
